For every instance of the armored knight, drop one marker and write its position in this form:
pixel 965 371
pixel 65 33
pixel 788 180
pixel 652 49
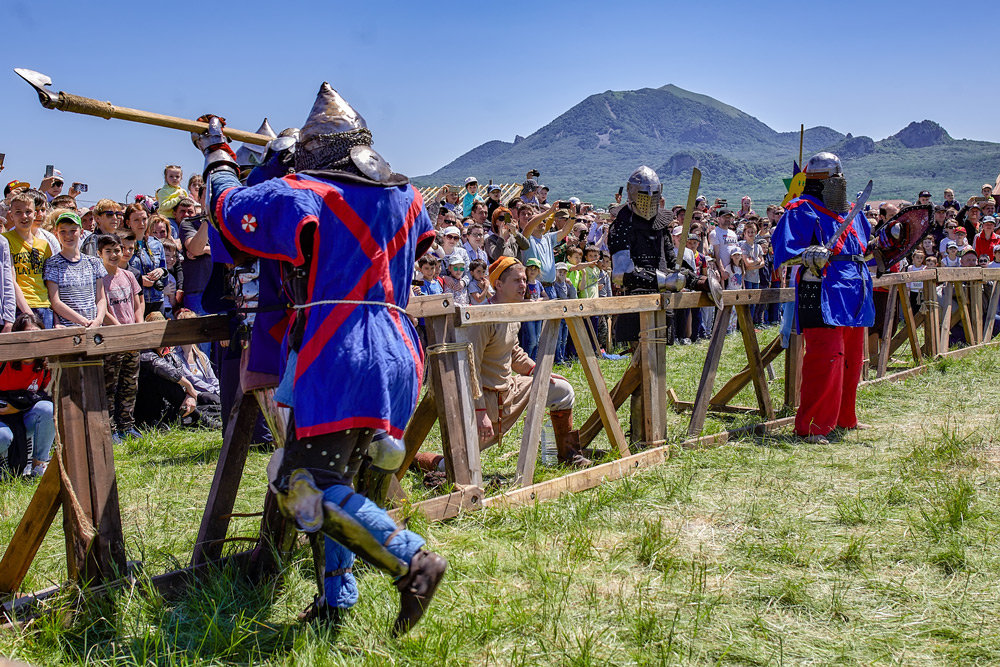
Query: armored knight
pixel 833 295
pixel 346 230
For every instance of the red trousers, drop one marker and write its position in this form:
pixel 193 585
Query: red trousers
pixel 831 370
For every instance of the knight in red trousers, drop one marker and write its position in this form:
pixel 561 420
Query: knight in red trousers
pixel 833 296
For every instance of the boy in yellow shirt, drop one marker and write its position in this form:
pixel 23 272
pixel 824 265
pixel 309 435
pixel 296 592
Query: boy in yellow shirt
pixel 28 251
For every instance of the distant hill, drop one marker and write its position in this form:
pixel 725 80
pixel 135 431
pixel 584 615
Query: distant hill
pixel 591 149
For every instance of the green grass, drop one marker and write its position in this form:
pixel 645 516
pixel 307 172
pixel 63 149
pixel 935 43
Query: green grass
pixel 880 547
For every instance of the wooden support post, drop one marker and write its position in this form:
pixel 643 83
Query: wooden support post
pixel 277 538
pixel 452 385
pixel 793 370
pixel 417 429
pixel 627 385
pixel 932 321
pixel 885 342
pixel 963 310
pixel 991 312
pixel 944 333
pixel 609 415
pixel 85 433
pixel 653 371
pixel 534 414
pixel 226 483
pixel 31 529
pixel 743 378
pixel 705 386
pixel 752 348
pixel 976 308
pixel 910 323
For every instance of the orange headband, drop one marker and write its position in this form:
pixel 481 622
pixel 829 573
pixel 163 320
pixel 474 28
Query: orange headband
pixel 498 267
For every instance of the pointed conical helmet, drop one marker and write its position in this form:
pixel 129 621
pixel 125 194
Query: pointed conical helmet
pixel 252 154
pixel 331 130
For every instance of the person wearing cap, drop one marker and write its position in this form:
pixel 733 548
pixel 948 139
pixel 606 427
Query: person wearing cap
pixel 563 289
pixel 987 238
pixel 951 258
pixel 542 243
pixel 969 258
pixel 833 301
pixel 74 280
pixel 51 186
pixel 493 202
pixel 506 238
pixel 470 196
pixel 451 244
pixel 722 238
pixel 995 264
pixel 528 192
pixel 542 194
pixel 505 371
pixel 29 251
pixel 924 197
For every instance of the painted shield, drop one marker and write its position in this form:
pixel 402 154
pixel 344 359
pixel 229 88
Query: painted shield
pixel 894 239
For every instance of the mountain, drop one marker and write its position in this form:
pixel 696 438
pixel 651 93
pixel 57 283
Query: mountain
pixel 590 150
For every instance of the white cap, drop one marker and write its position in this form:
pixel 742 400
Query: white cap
pixel 471 179
pixel 452 231
pixel 563 266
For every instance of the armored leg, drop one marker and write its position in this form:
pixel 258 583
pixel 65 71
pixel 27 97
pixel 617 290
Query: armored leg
pixel 385 455
pixel 275 417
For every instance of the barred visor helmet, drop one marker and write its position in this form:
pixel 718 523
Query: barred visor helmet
pixel 644 192
pixel 823 165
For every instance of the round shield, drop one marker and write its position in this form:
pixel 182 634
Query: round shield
pixel 370 163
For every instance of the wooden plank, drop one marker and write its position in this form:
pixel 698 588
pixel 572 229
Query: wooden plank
pixel 453 399
pixel 630 381
pixel 441 508
pixel 752 349
pixel 910 324
pixel 958 274
pixel 991 274
pixel 887 328
pixel 226 482
pixel 976 308
pixel 652 360
pixel 534 414
pixel 680 407
pixel 991 311
pixel 711 367
pixel 932 321
pixel 31 530
pixel 556 309
pixel 963 311
pixel 729 390
pixel 890 279
pixel 944 332
pixel 417 430
pixel 793 369
pixel 430 306
pixel 682 300
pixel 129 337
pixel 588 360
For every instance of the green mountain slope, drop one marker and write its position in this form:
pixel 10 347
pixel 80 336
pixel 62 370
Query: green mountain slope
pixel 590 150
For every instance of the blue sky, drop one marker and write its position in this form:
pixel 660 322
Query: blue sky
pixel 434 80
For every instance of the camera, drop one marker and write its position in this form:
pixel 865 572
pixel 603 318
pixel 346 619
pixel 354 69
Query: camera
pixel 564 204
pixel 160 283
pixel 79 187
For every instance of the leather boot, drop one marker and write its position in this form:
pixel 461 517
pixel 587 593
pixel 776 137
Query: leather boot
pixel 416 588
pixel 567 440
pixel 428 461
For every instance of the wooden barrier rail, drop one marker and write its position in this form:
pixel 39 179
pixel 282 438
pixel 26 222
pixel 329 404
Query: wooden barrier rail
pixel 82 477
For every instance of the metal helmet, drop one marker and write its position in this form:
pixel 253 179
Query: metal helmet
pixel 644 192
pixel 332 129
pixel 823 165
pixel 252 154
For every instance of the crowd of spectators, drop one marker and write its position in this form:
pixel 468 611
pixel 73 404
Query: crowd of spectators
pixel 63 264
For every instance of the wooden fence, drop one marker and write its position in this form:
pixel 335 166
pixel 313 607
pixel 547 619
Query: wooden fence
pixel 81 477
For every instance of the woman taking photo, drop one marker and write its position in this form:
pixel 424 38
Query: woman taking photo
pixel 149 258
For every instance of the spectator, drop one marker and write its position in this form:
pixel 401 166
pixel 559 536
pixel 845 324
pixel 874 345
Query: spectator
pixel 430 283
pixel 949 200
pixel 125 306
pixel 127 239
pixel 722 239
pixel 41 215
pixel 149 258
pixel 745 212
pixel 29 252
pixel 969 257
pixel 492 200
pixel 196 187
pixel 951 229
pixel 198 370
pixel 541 244
pixel 735 268
pixel 456 281
pixel 528 192
pixel 995 264
pixel 451 246
pixel 171 194
pixel 961 238
pixel 450 201
pixel 563 290
pixel 173 291
pixel 51 186
pixel 924 197
pixel 159 228
pixel 951 258
pixel 167 394
pixel 542 195
pixel 530 331
pixel 479 215
pixel 505 240
pixel 87 218
pixel 24 400
pixel 916 288
pixel 590 276
pixel 109 216
pixel 987 239
pixel 73 279
pixel 475 246
pixel 471 196
pixel 197 254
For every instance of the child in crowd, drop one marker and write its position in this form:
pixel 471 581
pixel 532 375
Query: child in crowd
pixel 951 258
pixel 73 279
pixel 574 259
pixel 42 209
pixel 735 267
pixel 916 289
pixel 173 292
pixel 456 280
pixel 590 277
pixel 563 289
pixel 22 389
pixel 604 280
pixel 171 193
pixel 995 264
pixel 530 331
pixel 471 195
pixel 127 239
pixel 479 288
pixel 125 306
pixel 430 283
pixel 29 253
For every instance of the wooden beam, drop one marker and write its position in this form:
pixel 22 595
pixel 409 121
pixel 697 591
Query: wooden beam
pixel 888 326
pixel 588 360
pixel 910 324
pixel 944 334
pixel 653 369
pixel 743 378
pixel 419 426
pixel 535 411
pixel 31 530
pixel 793 369
pixel 958 274
pixel 963 311
pixel 890 279
pixel 932 321
pixel 429 306
pixel 441 508
pixel 752 349
pixel 976 308
pixel 226 482
pixel 991 310
pixel 711 367
pixel 630 381
pixel 556 309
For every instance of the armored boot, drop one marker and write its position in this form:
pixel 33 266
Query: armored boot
pixel 416 588
pixel 568 440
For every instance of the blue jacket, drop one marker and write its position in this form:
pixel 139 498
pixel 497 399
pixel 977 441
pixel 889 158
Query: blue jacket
pixel 847 285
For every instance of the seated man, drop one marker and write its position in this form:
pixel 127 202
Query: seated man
pixel 505 373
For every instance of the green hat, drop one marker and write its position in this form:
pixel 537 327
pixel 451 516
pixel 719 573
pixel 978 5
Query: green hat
pixel 69 216
pixel 533 262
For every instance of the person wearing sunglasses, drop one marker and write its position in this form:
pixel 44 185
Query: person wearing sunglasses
pixel 108 216
pixel 451 245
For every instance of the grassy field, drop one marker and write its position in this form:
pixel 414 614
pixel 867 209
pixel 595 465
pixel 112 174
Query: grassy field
pixel 880 547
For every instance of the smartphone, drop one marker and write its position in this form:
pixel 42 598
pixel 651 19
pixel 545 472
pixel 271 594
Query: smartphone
pixel 564 204
pixel 621 189
pixel 50 170
pixel 2 156
pixel 79 187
